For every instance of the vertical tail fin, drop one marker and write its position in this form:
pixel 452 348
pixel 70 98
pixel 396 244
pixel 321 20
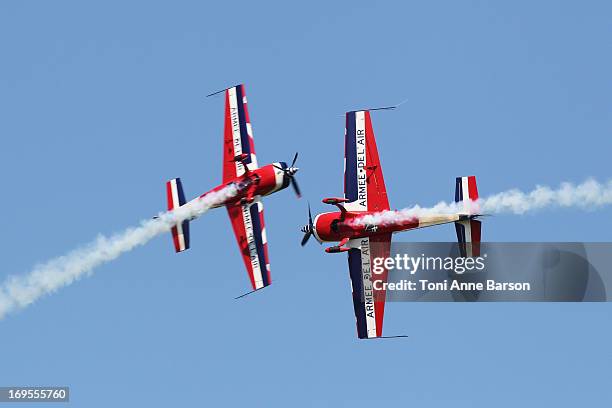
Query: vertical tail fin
pixel 176 198
pixel 466 191
pixel 468 230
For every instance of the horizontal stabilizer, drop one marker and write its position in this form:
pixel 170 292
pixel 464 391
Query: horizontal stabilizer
pixel 468 230
pixel 176 198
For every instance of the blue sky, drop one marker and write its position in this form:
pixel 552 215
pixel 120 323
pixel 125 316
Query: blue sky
pixel 102 103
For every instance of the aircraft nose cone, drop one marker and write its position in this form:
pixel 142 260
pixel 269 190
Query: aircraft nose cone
pixel 305 229
pixel 293 170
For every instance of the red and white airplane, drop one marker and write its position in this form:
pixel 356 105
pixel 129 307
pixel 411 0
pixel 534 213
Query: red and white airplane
pixel 365 193
pixel 252 182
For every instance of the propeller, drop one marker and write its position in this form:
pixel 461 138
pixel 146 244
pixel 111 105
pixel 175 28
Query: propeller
pixel 290 172
pixel 307 229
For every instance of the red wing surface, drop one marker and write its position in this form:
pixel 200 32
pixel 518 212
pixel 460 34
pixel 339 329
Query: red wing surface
pixel 368 299
pixel 364 184
pixel 238 135
pixel 248 225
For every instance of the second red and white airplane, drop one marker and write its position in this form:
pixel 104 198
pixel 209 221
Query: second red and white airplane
pixel 252 182
pixel 365 194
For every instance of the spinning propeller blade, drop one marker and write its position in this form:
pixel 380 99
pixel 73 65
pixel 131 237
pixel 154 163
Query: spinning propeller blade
pixel 295 187
pixel 294 159
pixel 307 229
pixel 290 172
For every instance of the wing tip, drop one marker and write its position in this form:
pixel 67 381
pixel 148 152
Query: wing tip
pixel 392 107
pixel 250 292
pixel 224 89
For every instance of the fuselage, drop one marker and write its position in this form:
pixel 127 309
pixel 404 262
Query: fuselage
pixel 252 184
pixel 334 226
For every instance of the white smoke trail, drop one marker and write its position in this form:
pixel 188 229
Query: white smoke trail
pixel 587 195
pixel 20 291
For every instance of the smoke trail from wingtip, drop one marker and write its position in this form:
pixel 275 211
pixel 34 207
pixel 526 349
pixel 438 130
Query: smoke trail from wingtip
pixel 20 291
pixel 588 195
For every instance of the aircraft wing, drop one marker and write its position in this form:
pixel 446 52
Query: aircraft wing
pixel 238 135
pixel 250 232
pixel 368 302
pixel 364 185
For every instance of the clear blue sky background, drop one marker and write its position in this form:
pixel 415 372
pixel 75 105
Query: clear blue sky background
pixel 102 103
